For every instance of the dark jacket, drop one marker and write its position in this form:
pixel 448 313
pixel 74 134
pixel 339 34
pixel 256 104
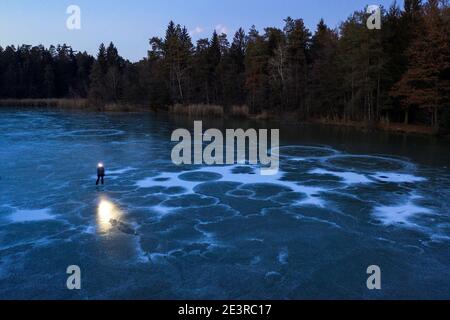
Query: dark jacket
pixel 101 171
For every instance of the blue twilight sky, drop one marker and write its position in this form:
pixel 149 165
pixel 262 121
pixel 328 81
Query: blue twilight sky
pixel 129 24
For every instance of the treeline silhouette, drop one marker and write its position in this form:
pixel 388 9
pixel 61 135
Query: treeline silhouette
pixel 400 73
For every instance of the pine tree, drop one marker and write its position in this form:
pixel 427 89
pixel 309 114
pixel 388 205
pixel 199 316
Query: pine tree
pixel 98 92
pixel 256 68
pixel 113 77
pixel 176 49
pixel 324 73
pixel 201 72
pixel 232 71
pixel 298 40
pixel 276 42
pixel 214 58
pixel 102 59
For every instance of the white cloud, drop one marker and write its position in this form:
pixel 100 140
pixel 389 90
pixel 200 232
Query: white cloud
pixel 197 30
pixel 220 28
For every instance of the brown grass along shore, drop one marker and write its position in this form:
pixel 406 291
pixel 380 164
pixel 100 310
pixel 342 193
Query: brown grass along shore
pixel 208 111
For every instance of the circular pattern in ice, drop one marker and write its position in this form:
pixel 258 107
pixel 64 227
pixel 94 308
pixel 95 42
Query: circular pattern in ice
pixel 306 152
pixel 200 176
pixel 93 133
pixel 365 163
pixel 240 193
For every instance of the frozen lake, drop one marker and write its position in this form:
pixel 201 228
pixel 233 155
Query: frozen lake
pixel 343 200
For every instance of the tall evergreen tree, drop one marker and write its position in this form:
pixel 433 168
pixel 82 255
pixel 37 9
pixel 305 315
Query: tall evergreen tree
pixel 298 40
pixel 233 71
pixel 256 68
pixel 324 93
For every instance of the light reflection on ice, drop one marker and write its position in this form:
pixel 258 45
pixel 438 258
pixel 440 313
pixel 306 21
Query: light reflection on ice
pixel 107 214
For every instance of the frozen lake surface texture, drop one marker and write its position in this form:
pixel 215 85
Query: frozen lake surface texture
pixel 343 201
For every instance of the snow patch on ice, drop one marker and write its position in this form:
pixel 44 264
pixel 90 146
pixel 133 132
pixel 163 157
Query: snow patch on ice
pixel 168 180
pixel 120 171
pixel 20 216
pixel 283 256
pixel 397 177
pixel 400 214
pixel 347 177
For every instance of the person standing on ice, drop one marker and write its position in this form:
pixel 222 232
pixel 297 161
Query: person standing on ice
pixel 100 174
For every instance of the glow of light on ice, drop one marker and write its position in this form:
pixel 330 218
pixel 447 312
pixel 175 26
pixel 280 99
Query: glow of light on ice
pixel 107 212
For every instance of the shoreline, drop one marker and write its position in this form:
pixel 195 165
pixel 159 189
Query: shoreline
pixel 85 105
pixel 72 105
pixel 393 127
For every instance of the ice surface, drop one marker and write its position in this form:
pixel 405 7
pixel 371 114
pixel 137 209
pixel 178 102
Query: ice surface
pixel 210 232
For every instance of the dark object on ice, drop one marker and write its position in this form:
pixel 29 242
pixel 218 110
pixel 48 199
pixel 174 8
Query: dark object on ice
pixel 123 227
pixel 100 174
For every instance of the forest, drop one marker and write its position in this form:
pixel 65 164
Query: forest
pixel 398 74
